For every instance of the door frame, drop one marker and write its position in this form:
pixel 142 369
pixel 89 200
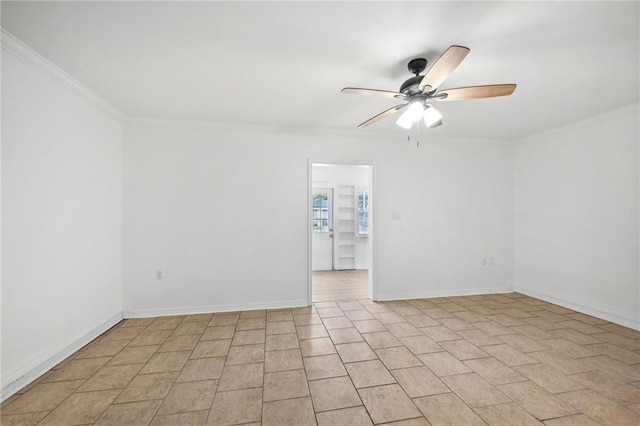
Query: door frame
pixel 372 251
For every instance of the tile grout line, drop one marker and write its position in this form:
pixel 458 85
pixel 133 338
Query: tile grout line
pixel 350 379
pixel 215 392
pixel 304 370
pixel 264 362
pixel 155 413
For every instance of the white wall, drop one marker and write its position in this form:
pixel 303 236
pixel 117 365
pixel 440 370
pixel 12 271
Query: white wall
pixel 61 219
pixel 455 204
pixel 193 195
pixel 576 216
pixel 334 175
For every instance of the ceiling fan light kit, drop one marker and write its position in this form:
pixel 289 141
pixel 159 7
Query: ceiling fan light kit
pixel 420 111
pixel 419 90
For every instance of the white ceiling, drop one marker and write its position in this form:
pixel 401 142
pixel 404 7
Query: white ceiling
pixel 284 64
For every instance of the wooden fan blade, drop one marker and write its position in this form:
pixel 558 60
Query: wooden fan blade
pixel 373 92
pixel 477 92
pixel 382 115
pixel 443 67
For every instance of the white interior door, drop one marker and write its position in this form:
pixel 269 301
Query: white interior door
pixel 322 230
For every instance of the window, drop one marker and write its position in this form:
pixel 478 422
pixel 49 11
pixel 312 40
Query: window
pixel 363 212
pixel 320 213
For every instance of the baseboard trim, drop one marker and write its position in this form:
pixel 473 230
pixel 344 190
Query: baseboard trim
pixel 583 306
pixel 207 309
pixel 443 293
pixel 31 369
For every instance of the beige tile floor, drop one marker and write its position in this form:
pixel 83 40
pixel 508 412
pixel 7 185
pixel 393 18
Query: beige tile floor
pixel 495 359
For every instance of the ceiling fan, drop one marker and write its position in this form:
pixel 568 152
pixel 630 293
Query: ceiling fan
pixel 419 91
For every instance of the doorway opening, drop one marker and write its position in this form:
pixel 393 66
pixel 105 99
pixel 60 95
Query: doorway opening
pixel 340 232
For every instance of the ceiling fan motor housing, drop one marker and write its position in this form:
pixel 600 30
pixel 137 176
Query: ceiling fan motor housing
pixel 415 66
pixel 410 87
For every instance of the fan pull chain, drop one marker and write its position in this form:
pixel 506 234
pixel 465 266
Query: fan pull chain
pixel 409 139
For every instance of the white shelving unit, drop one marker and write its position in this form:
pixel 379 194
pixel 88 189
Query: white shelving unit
pixel 344 214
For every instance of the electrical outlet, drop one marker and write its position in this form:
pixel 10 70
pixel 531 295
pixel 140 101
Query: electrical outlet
pixel 484 261
pixel 159 275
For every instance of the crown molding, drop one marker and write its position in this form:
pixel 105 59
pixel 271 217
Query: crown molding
pixel 26 54
pixel 580 123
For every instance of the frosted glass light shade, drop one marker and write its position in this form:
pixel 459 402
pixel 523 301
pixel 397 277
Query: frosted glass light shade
pixel 416 109
pixel 432 117
pixel 405 120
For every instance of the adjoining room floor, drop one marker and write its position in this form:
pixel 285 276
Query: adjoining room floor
pixel 491 359
pixel 340 285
